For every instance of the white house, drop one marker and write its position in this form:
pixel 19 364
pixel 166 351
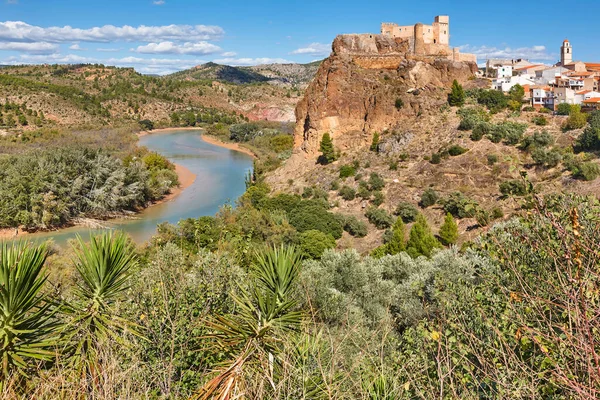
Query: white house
pixel 542 97
pixel 505 84
pixel 504 71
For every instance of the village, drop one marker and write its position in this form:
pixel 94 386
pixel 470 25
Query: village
pixel 568 81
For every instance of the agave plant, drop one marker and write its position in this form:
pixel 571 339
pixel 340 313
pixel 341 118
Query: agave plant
pixel 28 327
pixel 105 266
pixel 266 313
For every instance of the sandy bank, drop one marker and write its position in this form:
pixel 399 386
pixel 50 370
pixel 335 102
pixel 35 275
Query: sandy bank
pixel 232 146
pixel 186 128
pixel 186 179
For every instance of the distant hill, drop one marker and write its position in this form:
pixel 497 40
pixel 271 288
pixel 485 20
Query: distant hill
pixel 289 75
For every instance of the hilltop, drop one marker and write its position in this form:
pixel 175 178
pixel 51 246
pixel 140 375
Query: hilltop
pixel 95 96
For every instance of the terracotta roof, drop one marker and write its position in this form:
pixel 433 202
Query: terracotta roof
pixel 594 100
pixel 584 91
pixel 528 67
pixel 566 41
pixel 593 66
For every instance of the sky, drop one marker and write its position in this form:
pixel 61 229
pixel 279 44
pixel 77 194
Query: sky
pixel 164 36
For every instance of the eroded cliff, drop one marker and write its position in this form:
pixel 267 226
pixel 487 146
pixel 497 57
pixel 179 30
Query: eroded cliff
pixel 371 83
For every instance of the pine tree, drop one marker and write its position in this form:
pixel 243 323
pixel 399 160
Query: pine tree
pixel 421 241
pixel 375 142
pixel 327 150
pixel 457 96
pixel 449 230
pixel 396 244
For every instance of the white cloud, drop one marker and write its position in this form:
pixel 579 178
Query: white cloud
pixel 76 47
pixel 199 48
pixel 314 49
pixel 158 2
pixel 108 50
pixel 18 31
pixel 539 53
pixel 229 54
pixel 252 61
pixel 33 48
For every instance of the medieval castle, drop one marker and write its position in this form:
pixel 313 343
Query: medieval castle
pixel 428 40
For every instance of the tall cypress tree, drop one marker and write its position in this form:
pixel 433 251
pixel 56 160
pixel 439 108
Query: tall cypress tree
pixel 456 98
pixel 449 230
pixel 327 150
pixel 421 241
pixel 396 244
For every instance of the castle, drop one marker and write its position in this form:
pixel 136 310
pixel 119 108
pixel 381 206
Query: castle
pixel 428 40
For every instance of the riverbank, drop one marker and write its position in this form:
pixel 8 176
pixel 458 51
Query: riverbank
pixel 186 179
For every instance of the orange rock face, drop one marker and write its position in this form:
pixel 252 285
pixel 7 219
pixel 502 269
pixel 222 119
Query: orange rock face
pixel 365 87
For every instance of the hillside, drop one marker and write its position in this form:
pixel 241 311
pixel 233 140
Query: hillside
pixel 95 96
pixel 424 145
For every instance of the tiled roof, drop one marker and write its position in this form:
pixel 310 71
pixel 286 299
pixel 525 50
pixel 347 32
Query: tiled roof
pixel 594 100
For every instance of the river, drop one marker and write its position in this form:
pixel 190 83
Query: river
pixel 220 179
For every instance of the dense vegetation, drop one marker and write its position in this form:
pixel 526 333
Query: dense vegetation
pixel 51 188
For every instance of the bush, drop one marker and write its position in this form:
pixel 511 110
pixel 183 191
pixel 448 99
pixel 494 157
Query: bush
pixel 494 100
pixel 347 171
pixel 314 243
pixel 482 129
pixel 576 120
pixel 395 242
pixel 586 171
pixel 347 193
pixel 538 139
pixel 378 199
pixel 529 109
pixel 471 117
pixel 406 211
pixel 545 158
pixel 376 182
pixel 146 124
pixel 379 217
pixel 590 137
pixel 355 227
pixel 310 215
pixel 436 158
pixel 456 150
pixel 459 205
pixel 545 110
pixel 399 103
pixel 497 213
pixel 327 150
pixel 513 187
pixel 429 198
pixel 540 120
pixel 375 142
pixel 563 109
pixel 492 159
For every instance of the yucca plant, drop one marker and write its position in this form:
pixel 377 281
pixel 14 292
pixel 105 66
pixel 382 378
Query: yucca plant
pixel 265 314
pixel 105 266
pixel 28 327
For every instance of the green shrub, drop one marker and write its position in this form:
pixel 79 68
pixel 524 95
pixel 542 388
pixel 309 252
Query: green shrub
pixel 146 124
pixel 314 243
pixel 395 243
pixel 429 198
pixel 470 117
pixel 378 199
pixel 545 110
pixel 529 109
pixel 375 142
pixel 515 187
pixel 456 150
pixel 590 137
pixel 456 97
pixel 347 193
pixel 379 217
pixel 563 109
pixel 436 158
pixel 545 158
pixel 576 120
pixel 355 227
pixel 538 139
pixel 363 192
pixel 482 129
pixel 347 171
pixel 497 213
pixel 376 182
pixel 309 215
pixel 327 150
pixel 393 165
pixel 399 103
pixel 492 159
pixel 307 193
pixel 494 100
pixel 406 211
pixel 459 205
pixel 540 120
pixel 587 171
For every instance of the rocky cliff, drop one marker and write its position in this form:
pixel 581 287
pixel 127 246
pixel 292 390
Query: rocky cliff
pixel 371 83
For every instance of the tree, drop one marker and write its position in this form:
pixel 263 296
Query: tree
pixel 327 150
pixel 375 142
pixel 313 243
pixel 563 109
pixel 146 124
pixel 27 324
pixel 516 93
pixel 449 230
pixel 576 120
pixel 456 98
pixel 421 241
pixel 396 243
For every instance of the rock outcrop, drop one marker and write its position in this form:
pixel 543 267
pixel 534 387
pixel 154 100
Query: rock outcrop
pixel 371 83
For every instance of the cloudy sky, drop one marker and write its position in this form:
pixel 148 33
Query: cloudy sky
pixel 163 36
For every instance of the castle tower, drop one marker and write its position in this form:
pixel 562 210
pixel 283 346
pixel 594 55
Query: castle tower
pixel 441 27
pixel 566 53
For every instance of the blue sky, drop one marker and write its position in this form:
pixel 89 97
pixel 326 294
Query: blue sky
pixel 162 36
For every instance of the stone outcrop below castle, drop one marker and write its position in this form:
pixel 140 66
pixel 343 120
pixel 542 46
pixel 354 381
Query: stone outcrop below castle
pixel 371 83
